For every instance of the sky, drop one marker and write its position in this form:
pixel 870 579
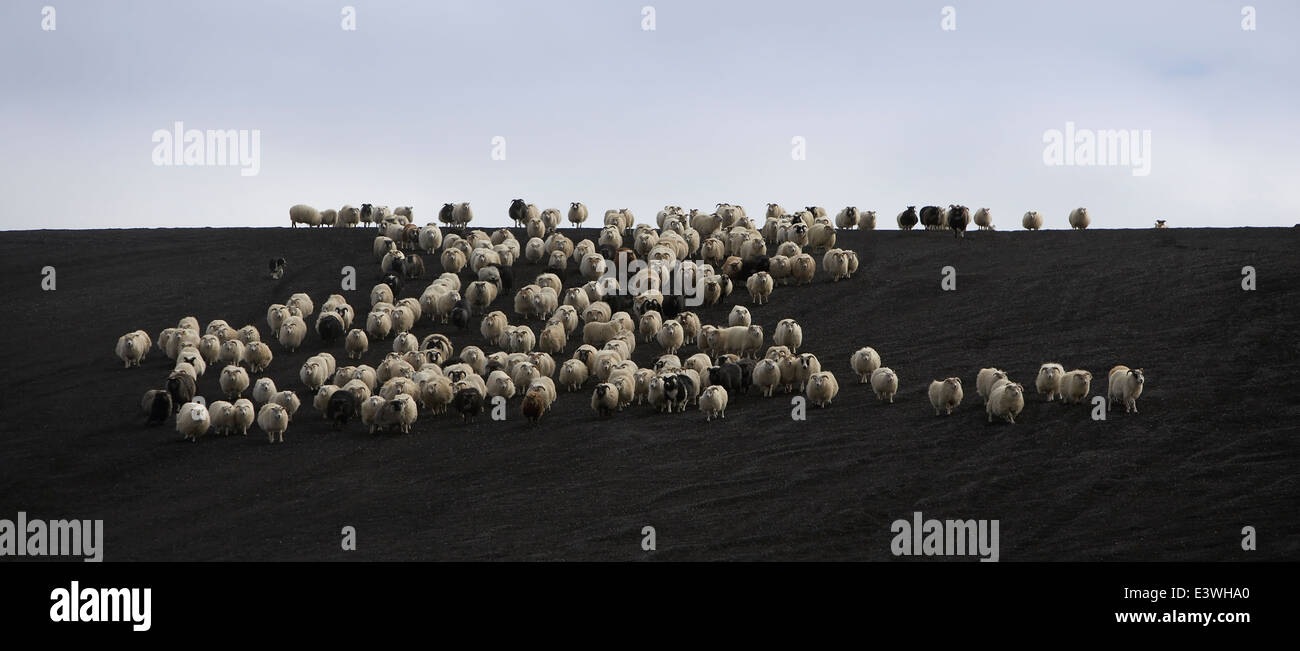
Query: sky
pixel 897 103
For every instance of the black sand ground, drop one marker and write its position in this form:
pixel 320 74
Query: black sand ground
pixel 1214 448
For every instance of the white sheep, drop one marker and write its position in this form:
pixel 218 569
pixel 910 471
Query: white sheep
pixel 1005 401
pixel 1124 384
pixel 1049 380
pixel 884 383
pixel 302 302
pixel 263 389
pixel 864 361
pixel 983 218
pixel 822 388
pixel 985 380
pixel 713 402
pixel 313 374
pixel 132 348
pixel 1075 386
pixel 788 333
pixel 760 287
pixel 257 356
pixel 739 316
pixel 766 376
pixel 242 416
pixel 288 400
pixel 303 214
pixel 193 421
pixel 292 333
pixel 379 325
pixel 233 381
pixel 273 420
pixel 945 395
pixel 1079 218
pixel 1032 220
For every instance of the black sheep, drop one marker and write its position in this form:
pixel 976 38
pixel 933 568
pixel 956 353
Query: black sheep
pixel 342 407
pixel 469 402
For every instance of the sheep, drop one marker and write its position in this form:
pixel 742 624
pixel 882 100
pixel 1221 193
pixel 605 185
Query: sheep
pixel 1049 380
pixel 690 326
pixel 907 219
pixel 739 316
pixel 577 213
pixel 945 395
pixel 274 420
pixel 398 413
pixel 193 421
pixel 181 338
pixel 231 352
pixel 348 216
pixel 802 268
pixel 1075 386
pixel 958 218
pixel 357 343
pixel 263 389
pixel 822 388
pixel 292 333
pixel 744 341
pixel 848 218
pixel 983 218
pixel 932 218
pixel 1160 223
pixel 492 326
pixel 1079 218
pixel 713 402
pixel 573 374
pixel 804 367
pixel 1124 384
pixel 303 214
pixel 222 416
pixel 760 287
pixel 157 406
pixel 403 318
pixel 788 333
pixel 462 215
pixel 479 295
pixel 233 381
pixel 380 293
pixel 241 417
pixel 821 237
pixel 766 376
pixel 836 262
pixel 257 356
pixel 604 399
pixel 132 348
pixel 190 355
pixel 288 400
pixel 552 338
pixel 210 348
pixel 598 333
pixel 1032 220
pixel 1005 401
pixel 312 374
pixel 181 387
pixel 303 303
pixel 500 384
pixel 867 222
pixel 985 380
pixel 864 361
pixel 378 325
pixel 649 325
pixel 884 383
pixel 321 400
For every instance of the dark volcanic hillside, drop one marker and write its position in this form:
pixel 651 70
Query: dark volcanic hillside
pixel 1214 448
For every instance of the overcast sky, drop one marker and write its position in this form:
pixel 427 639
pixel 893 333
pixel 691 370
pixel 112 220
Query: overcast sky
pixel 895 110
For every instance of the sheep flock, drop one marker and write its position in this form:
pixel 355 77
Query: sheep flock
pixel 569 330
